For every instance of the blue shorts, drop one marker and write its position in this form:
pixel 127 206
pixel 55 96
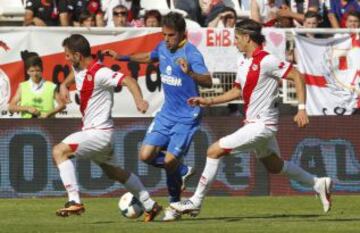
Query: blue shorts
pixel 174 136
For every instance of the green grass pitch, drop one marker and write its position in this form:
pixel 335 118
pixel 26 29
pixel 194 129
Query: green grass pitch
pixel 301 214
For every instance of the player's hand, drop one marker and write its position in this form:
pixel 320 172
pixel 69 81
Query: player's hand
pixel 64 94
pixel 301 118
pixel 142 106
pixel 198 101
pixel 33 111
pixel 110 53
pixel 184 65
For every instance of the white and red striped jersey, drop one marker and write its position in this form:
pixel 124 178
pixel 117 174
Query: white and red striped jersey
pixel 259 77
pixel 96 89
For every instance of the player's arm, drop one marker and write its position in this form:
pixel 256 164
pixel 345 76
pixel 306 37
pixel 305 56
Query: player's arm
pixel 14 107
pixel 232 94
pixel 141 104
pixel 64 87
pixel 203 80
pixel 60 105
pixel 138 57
pixel 301 118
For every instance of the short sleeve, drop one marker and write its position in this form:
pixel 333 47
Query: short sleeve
pixel 106 77
pixel 196 61
pixel 275 67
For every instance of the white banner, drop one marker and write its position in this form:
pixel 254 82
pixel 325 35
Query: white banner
pixel 331 68
pixel 217 46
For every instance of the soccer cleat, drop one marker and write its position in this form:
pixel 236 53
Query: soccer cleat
pixel 186 177
pixel 71 208
pixel 186 207
pixel 171 215
pixel 155 211
pixel 323 188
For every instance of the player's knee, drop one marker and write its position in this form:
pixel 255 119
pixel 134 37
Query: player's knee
pixel 214 152
pixel 58 153
pixel 145 157
pixel 170 163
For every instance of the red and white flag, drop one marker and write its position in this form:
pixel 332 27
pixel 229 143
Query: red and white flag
pixel 332 74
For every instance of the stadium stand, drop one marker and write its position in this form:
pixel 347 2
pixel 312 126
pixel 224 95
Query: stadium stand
pixel 12 12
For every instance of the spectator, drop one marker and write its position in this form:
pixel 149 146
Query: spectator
pixel 191 7
pixel 225 19
pixel 152 18
pixel 297 10
pixel 120 16
pixel 339 10
pixel 133 7
pixel 86 19
pixel 263 11
pixel 76 7
pixel 46 13
pixel 311 20
pixel 352 20
pixel 35 97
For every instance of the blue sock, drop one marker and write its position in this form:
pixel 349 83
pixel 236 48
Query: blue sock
pixel 183 169
pixel 174 183
pixel 158 161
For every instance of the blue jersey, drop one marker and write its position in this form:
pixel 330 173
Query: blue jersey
pixel 178 86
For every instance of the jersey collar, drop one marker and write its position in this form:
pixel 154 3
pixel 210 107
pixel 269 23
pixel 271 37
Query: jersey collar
pixel 257 51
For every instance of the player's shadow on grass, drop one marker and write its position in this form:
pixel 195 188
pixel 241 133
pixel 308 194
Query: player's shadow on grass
pixel 241 218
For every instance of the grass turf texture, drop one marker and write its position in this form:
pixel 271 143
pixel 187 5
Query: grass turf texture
pixel 219 214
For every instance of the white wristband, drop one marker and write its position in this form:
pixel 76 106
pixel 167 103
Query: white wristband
pixel 301 106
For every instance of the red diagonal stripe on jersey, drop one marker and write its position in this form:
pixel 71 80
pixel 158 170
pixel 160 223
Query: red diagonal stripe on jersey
pixel 73 147
pixel 315 80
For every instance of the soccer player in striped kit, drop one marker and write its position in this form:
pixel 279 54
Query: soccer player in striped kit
pixel 257 81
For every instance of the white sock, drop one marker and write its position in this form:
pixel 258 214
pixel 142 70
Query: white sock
pixel 297 173
pixel 134 185
pixel 68 178
pixel 206 179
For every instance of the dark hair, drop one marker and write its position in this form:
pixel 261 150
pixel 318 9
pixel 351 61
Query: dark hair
pixel 251 28
pixel 33 61
pixel 153 13
pixel 354 13
pixel 85 15
pixel 226 9
pixel 312 14
pixel 77 43
pixel 175 21
pixel 120 6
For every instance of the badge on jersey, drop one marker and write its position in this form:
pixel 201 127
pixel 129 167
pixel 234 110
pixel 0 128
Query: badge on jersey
pixel 255 67
pixel 89 77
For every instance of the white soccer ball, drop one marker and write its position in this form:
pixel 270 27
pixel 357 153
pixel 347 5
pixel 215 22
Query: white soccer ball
pixel 130 206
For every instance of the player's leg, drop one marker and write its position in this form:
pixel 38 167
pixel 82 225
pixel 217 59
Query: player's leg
pixel 135 186
pixel 241 139
pixel 61 156
pixel 272 161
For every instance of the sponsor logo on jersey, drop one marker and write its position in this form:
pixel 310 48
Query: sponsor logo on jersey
pixel 171 80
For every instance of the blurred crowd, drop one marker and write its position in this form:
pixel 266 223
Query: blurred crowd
pixel 199 13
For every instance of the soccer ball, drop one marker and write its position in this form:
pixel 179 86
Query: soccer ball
pixel 130 206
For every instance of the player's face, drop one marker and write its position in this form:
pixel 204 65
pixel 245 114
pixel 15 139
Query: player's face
pixel 73 58
pixel 171 37
pixel 34 73
pixel 241 42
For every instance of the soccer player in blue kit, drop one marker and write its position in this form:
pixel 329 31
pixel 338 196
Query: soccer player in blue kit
pixel 182 69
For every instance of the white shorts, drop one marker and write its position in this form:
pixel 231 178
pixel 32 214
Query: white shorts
pixel 252 136
pixel 94 144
